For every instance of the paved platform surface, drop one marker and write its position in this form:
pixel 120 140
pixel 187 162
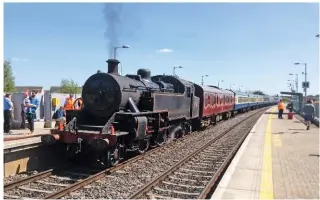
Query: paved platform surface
pixel 22 139
pixel 25 133
pixel 278 160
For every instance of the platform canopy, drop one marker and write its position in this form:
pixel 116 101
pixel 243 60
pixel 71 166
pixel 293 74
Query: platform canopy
pixel 299 98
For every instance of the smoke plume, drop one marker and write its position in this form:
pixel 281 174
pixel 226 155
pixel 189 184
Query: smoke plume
pixel 112 15
pixel 121 23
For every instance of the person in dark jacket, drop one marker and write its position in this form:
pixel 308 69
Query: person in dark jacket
pixel 24 106
pixel 308 111
pixel 290 106
pixel 59 116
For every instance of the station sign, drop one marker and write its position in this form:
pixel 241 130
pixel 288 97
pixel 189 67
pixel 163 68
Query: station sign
pixel 305 85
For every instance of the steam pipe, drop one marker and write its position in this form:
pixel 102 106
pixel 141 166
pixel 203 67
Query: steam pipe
pixel 132 105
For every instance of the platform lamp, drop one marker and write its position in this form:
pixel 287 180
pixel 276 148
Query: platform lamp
pixel 305 76
pixel 219 83
pixel 174 70
pixel 202 78
pixel 115 52
pixel 231 86
pixel 297 80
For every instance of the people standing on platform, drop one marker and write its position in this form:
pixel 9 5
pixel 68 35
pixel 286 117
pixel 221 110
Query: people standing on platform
pixel 280 108
pixel 31 111
pixel 290 106
pixel 7 113
pixel 309 112
pixel 69 103
pixel 24 106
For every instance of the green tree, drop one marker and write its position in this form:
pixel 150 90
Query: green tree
pixel 69 87
pixel 9 80
pixel 258 92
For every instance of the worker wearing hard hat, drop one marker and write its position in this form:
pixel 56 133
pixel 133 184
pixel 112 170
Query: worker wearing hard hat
pixel 69 103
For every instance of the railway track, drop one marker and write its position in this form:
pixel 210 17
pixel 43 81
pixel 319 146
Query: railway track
pixel 195 176
pixel 140 170
pixel 44 183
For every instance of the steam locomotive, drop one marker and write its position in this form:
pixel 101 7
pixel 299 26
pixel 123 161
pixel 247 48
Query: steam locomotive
pixel 132 113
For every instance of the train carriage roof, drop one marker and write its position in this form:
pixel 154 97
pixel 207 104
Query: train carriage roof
pixel 214 89
pixel 238 93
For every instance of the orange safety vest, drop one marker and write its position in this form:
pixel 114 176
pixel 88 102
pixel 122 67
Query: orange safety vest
pixel 280 106
pixel 69 104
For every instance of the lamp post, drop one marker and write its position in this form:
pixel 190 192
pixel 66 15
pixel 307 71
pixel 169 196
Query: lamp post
pixel 297 80
pixel 174 70
pixel 202 78
pixel 291 84
pixel 231 86
pixel 305 76
pixel 219 83
pixel 121 47
pixel 115 52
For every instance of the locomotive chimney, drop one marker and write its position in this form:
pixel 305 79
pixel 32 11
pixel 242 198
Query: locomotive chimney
pixel 113 66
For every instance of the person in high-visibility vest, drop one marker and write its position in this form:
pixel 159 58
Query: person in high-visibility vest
pixel 280 108
pixel 69 103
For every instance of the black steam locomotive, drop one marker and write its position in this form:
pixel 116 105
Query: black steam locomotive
pixel 128 113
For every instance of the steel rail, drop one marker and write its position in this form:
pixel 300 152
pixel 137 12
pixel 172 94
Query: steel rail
pixel 27 180
pixel 91 178
pixel 161 177
pixel 101 174
pixel 223 167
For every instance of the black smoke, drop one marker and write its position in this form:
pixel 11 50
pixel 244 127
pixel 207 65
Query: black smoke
pixel 120 22
pixel 112 15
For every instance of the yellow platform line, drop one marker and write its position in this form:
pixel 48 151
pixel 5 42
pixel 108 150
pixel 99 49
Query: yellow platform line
pixel 266 188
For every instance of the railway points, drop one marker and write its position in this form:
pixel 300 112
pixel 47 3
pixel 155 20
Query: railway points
pixel 278 160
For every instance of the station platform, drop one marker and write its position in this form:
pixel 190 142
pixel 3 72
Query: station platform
pixel 278 160
pixel 22 139
pixel 25 133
